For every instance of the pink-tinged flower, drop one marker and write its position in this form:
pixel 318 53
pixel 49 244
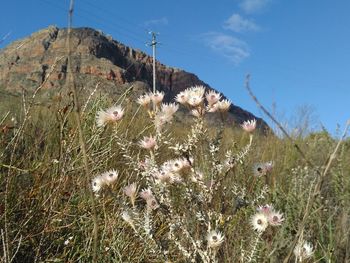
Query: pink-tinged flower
pixel 146 194
pixel 157 97
pixel 215 239
pixel 249 126
pixel 169 109
pixel 265 209
pixel 144 100
pixel 303 250
pixel 152 203
pixel 223 105
pixel 110 116
pixel 259 221
pixel 148 143
pixel 182 97
pixel 131 192
pixel 275 218
pixel 212 97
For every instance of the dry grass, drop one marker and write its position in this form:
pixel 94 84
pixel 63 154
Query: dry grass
pixel 46 212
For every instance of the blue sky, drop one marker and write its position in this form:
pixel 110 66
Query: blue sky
pixel 297 52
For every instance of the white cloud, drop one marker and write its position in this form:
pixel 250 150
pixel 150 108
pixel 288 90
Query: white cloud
pixel 156 22
pixel 230 47
pixel 253 6
pixel 237 23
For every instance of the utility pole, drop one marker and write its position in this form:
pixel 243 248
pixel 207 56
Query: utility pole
pixel 154 44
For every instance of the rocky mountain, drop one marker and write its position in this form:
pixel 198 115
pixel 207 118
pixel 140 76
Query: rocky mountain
pixel 97 58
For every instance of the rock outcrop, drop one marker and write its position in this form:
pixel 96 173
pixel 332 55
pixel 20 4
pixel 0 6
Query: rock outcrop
pixel 26 63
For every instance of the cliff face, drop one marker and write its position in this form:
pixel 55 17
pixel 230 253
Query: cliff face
pixel 26 63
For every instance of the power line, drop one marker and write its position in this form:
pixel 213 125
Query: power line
pixel 111 25
pixel 114 14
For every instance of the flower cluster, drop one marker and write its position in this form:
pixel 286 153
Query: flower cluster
pixel 161 112
pixel 266 216
pixel 107 178
pixel 173 170
pixel 150 99
pixel 175 190
pixel 194 99
pixel 165 114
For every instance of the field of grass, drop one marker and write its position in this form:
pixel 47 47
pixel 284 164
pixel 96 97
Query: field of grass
pixel 206 211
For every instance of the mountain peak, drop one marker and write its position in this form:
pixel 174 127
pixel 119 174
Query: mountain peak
pixel 25 63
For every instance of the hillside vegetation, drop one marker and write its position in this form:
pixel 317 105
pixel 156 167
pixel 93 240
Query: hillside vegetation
pixel 197 193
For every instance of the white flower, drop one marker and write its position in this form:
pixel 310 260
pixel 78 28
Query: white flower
pixel 212 97
pixel 249 126
pixel 303 250
pixel 165 176
pixel 169 108
pixel 97 183
pixel 110 177
pixel 180 165
pixel 197 91
pixel 259 222
pixel 148 143
pixel 182 97
pixel 67 241
pixel 215 239
pixel 157 97
pixel 109 116
pixel 144 100
pixel 261 169
pixel 195 100
pixel 160 119
pixel 223 105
